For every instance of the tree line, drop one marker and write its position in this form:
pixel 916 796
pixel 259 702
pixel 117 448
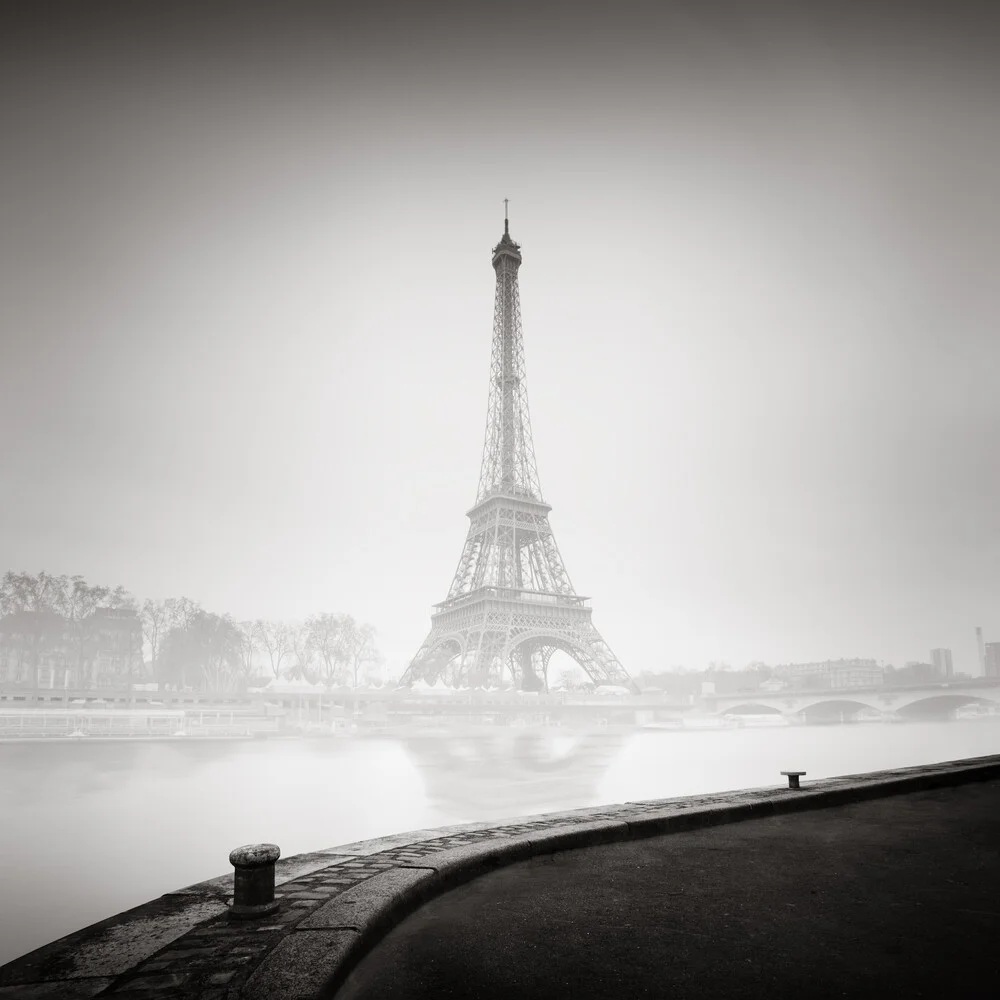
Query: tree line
pixel 187 645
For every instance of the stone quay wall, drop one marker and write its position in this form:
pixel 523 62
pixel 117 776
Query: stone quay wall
pixel 334 905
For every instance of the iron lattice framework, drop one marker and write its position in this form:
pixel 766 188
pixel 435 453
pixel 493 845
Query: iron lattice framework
pixel 511 604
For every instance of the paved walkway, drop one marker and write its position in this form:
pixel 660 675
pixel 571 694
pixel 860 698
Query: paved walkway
pixel 892 897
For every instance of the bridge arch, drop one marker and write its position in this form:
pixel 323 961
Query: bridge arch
pixel 754 708
pixel 944 703
pixel 840 704
pixel 543 639
pixel 926 700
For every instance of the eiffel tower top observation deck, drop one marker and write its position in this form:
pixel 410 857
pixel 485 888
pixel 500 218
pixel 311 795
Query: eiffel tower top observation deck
pixel 511 603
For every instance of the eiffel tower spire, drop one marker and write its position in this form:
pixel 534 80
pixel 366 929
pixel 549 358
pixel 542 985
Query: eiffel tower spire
pixel 511 603
pixel 508 453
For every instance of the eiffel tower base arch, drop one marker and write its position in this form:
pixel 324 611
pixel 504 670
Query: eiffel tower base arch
pixel 515 643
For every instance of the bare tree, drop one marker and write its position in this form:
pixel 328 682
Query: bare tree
pixel 181 611
pixel 79 602
pixel 303 651
pixel 572 677
pixel 276 640
pixel 327 634
pixel 168 620
pixel 42 615
pixel 156 623
pixel 358 646
pixel 250 643
pixel 27 592
pixel 206 646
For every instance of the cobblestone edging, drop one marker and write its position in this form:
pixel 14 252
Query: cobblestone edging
pixel 336 904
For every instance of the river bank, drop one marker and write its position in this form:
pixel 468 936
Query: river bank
pixel 338 903
pixel 151 815
pixel 34 725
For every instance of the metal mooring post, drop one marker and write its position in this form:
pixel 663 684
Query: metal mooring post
pixel 793 778
pixel 253 881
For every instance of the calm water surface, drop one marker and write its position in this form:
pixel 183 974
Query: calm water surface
pixel 92 828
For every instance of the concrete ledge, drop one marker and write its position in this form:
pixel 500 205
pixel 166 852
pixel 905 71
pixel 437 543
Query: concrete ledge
pixel 113 946
pixel 368 906
pixel 337 904
pixel 285 870
pixel 301 965
pixel 456 865
pixel 450 868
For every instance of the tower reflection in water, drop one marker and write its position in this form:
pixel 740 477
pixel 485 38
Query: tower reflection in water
pixel 513 772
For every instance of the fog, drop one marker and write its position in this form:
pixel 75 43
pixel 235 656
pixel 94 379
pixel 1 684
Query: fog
pixel 246 308
pixel 247 303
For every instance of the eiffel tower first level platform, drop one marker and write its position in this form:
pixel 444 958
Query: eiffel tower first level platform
pixel 511 604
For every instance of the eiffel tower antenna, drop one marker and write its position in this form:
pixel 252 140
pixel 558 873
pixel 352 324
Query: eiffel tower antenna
pixel 511 604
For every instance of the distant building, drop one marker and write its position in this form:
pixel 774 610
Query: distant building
pixel 831 674
pixel 941 659
pixel 920 672
pixel 992 659
pixel 982 651
pixel 41 649
pixel 35 645
pixel 114 639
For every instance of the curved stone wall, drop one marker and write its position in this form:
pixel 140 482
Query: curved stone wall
pixel 335 904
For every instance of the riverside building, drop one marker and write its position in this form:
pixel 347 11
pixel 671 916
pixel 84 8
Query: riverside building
pixel 831 674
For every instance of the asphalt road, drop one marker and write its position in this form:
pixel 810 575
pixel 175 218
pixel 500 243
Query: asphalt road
pixel 899 896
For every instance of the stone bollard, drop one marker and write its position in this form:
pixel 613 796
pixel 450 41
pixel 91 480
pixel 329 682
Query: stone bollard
pixel 793 778
pixel 253 881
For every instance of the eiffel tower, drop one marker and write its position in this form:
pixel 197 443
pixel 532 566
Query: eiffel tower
pixel 511 604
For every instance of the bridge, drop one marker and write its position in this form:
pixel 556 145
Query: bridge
pixel 932 699
pixel 570 709
pixel 580 714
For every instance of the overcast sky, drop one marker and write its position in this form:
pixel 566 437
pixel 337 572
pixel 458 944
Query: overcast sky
pixel 246 310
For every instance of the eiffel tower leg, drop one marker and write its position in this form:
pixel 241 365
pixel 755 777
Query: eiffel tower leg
pixel 432 658
pixel 451 674
pixel 528 659
pixel 461 671
pixel 544 657
pixel 490 660
pixel 604 666
pixel 479 666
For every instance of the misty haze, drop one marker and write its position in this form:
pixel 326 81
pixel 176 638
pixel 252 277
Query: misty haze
pixel 411 421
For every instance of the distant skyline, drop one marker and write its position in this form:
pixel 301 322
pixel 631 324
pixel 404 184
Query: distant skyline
pixel 246 306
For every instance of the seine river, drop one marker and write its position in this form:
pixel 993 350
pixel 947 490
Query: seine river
pixel 92 828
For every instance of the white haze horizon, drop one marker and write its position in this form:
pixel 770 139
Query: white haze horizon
pixel 246 309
